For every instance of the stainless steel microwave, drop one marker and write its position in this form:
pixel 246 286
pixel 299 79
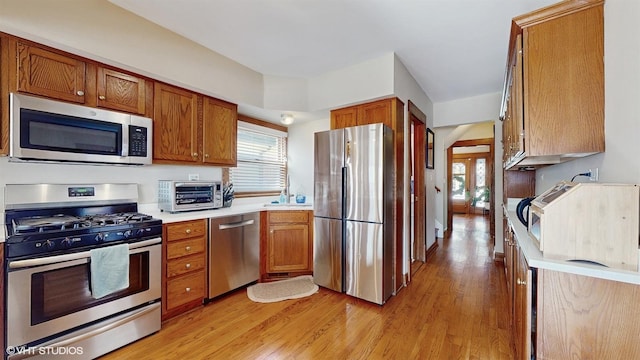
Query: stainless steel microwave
pixel 47 130
pixel 176 195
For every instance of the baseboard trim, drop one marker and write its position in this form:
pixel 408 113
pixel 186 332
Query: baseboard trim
pixel 432 249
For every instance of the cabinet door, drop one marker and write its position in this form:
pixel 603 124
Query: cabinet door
pixel 121 91
pixel 343 118
pixel 288 248
pixel 523 307
pixel 375 113
pixel 4 99
pixel 175 125
pixel 517 105
pixel 49 74
pixel 220 124
pixel 563 67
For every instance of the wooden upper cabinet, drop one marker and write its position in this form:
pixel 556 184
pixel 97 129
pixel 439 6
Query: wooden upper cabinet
pixel 175 125
pixel 4 96
pixel 220 128
pixel 557 61
pixel 120 91
pixel 46 73
pixel 376 112
pixel 343 118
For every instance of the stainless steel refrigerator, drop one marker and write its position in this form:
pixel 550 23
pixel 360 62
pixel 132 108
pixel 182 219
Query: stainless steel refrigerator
pixel 353 210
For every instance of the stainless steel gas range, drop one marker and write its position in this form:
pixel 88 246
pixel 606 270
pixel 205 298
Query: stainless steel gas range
pixel 54 233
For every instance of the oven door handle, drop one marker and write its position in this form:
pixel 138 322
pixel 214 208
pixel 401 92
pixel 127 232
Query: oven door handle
pixel 19 264
pixel 92 333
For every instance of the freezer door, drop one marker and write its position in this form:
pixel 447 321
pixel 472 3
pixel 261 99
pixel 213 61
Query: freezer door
pixel 367 272
pixel 328 160
pixel 364 165
pixel 327 253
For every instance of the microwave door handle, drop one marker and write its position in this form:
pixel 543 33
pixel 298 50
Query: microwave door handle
pixel 125 140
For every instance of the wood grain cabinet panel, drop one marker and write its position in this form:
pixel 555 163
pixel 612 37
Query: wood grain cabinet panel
pixel 120 91
pixel 4 96
pixel 220 124
pixel 343 118
pixel 50 74
pixel 184 266
pixel 553 99
pixel 286 244
pixel 175 125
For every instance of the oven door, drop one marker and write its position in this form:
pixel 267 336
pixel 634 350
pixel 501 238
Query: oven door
pixel 52 295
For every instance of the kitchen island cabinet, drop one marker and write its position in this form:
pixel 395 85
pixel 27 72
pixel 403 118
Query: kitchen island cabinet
pixel 286 244
pixel 553 97
pixel 184 266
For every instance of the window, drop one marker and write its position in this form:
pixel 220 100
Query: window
pixel 262 160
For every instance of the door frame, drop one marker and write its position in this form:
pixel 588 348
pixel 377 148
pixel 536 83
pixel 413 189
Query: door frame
pixel 418 226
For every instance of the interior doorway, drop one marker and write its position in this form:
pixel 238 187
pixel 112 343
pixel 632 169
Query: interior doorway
pixel 417 168
pixel 470 175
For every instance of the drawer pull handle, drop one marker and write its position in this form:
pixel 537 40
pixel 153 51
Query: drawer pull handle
pixel 188 266
pixel 188 248
pixel 187 289
pixel 80 93
pixel 188 231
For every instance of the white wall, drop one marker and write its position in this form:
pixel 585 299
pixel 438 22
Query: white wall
pixel 301 155
pixel 104 32
pixel 620 162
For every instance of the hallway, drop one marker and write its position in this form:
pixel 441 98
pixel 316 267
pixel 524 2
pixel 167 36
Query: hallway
pixel 455 308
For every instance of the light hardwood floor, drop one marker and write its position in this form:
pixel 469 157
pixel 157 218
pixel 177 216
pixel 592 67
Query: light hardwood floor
pixel 454 308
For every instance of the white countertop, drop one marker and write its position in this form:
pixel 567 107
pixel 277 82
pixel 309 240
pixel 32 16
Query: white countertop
pixel 167 217
pixel 537 260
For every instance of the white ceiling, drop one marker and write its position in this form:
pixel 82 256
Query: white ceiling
pixel 453 48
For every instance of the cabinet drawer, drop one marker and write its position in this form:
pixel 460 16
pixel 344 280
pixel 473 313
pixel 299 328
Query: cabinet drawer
pixel 177 249
pixel 185 289
pixel 185 264
pixel 288 217
pixel 186 229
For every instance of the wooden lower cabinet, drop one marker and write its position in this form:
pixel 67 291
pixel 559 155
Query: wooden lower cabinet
pixel 184 267
pixel 286 244
pixel 559 315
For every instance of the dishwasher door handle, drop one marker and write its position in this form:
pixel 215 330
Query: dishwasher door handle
pixel 236 224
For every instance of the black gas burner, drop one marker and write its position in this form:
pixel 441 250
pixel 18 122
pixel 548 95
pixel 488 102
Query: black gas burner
pixel 62 222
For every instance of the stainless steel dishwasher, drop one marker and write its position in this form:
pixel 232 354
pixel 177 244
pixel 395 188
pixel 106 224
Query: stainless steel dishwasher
pixel 234 252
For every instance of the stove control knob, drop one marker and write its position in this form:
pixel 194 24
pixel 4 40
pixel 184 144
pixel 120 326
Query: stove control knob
pixel 140 232
pixel 99 237
pixel 127 234
pixel 49 244
pixel 66 242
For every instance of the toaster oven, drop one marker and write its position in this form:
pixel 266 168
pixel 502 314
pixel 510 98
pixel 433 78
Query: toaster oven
pixel 176 195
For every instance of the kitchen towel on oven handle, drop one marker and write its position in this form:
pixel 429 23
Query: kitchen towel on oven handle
pixel 109 270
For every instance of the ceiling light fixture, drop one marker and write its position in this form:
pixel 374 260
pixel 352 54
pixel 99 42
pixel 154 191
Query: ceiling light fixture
pixel 286 119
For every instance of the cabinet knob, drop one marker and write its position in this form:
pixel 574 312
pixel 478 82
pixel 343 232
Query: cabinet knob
pixel 102 97
pixel 195 155
pixel 206 155
pixel 188 231
pixel 188 266
pixel 187 289
pixel 521 282
pixel 80 93
pixel 188 248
